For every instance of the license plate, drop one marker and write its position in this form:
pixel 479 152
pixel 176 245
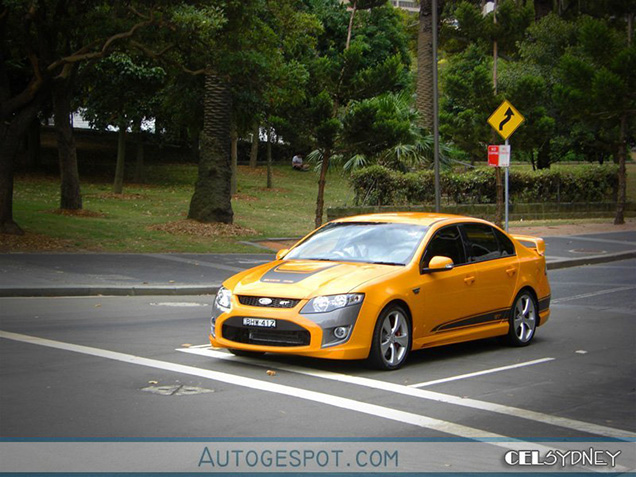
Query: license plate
pixel 259 322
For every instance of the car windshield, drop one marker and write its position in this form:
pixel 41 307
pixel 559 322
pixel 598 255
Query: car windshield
pixel 386 243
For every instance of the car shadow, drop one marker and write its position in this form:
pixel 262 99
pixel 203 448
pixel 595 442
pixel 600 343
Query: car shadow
pixel 424 357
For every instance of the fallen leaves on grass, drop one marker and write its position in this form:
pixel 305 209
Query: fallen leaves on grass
pixel 244 198
pixel 30 242
pixel 260 171
pixel 76 213
pixel 111 195
pixel 274 189
pixel 192 227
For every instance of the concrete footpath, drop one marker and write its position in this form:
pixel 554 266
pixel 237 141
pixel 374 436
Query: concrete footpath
pixel 90 274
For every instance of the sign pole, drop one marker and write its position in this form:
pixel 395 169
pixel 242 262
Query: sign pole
pixel 505 120
pixel 506 190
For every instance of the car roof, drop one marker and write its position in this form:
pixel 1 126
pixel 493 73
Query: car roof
pixel 416 218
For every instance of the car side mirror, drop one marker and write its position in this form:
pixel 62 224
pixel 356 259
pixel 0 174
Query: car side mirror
pixel 439 264
pixel 281 253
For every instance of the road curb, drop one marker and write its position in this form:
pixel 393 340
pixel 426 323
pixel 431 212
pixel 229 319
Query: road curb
pixel 591 260
pixel 74 290
pixel 106 291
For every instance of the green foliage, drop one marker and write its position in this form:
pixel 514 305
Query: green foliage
pixel 465 25
pixel 384 129
pixel 120 91
pixel 378 185
pixel 589 83
pixel 597 80
pixel 529 92
pixel 377 61
pixel 468 101
pixel 376 124
pixel 546 42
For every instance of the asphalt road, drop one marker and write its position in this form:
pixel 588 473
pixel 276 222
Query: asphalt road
pixel 139 367
pixel 86 274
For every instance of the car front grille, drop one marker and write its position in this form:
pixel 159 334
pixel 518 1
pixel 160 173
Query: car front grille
pixel 285 334
pixel 267 302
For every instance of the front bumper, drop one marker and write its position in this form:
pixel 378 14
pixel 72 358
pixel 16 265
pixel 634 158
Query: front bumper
pixel 310 334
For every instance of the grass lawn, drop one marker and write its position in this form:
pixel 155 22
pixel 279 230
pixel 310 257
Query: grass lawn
pixel 129 223
pixel 123 223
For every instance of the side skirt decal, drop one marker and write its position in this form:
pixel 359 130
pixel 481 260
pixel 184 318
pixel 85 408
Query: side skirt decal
pixel 490 317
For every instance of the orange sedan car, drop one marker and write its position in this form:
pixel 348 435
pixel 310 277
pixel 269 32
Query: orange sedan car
pixel 378 286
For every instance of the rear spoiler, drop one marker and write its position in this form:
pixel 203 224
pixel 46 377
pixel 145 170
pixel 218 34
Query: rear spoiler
pixel 531 242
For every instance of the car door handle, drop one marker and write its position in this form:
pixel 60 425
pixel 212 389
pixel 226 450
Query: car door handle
pixel 511 271
pixel 469 280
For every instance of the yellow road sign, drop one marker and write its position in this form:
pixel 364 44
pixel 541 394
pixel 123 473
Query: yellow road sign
pixel 506 119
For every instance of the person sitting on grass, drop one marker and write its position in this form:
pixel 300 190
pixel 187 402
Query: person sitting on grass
pixel 297 163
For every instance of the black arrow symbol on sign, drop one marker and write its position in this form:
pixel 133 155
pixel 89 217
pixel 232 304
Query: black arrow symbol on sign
pixel 509 114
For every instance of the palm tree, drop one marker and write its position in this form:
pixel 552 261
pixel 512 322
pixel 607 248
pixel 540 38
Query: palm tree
pixel 212 197
pixel 425 64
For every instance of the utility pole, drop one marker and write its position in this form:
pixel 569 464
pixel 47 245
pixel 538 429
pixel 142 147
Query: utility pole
pixel 436 112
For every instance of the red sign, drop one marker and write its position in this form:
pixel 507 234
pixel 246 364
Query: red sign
pixel 499 156
pixel 493 156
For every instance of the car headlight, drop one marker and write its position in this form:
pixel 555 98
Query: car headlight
pixel 327 303
pixel 223 299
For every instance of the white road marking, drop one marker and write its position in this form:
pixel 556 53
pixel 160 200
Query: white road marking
pixel 268 386
pixel 591 294
pixel 588 252
pixel 579 426
pixel 184 304
pixel 480 373
pixel 322 398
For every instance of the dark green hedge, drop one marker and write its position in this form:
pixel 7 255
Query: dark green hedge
pixel 377 185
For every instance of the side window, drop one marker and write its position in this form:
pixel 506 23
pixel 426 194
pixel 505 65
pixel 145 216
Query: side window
pixel 482 242
pixel 447 243
pixel 505 244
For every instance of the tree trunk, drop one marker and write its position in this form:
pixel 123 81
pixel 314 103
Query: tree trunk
pixel 424 96
pixel 543 157
pixel 622 173
pixel 269 159
pixel 320 202
pixel 234 158
pixel 70 194
pixel 354 5
pixel 254 149
pixel 195 146
pixel 8 151
pixel 532 161
pixel 140 176
pixel 118 185
pixel 212 198
pixel 33 153
pixel 495 51
pixel 13 127
pixel 499 209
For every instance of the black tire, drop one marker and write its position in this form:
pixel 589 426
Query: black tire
pixel 391 343
pixel 524 316
pixel 245 353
